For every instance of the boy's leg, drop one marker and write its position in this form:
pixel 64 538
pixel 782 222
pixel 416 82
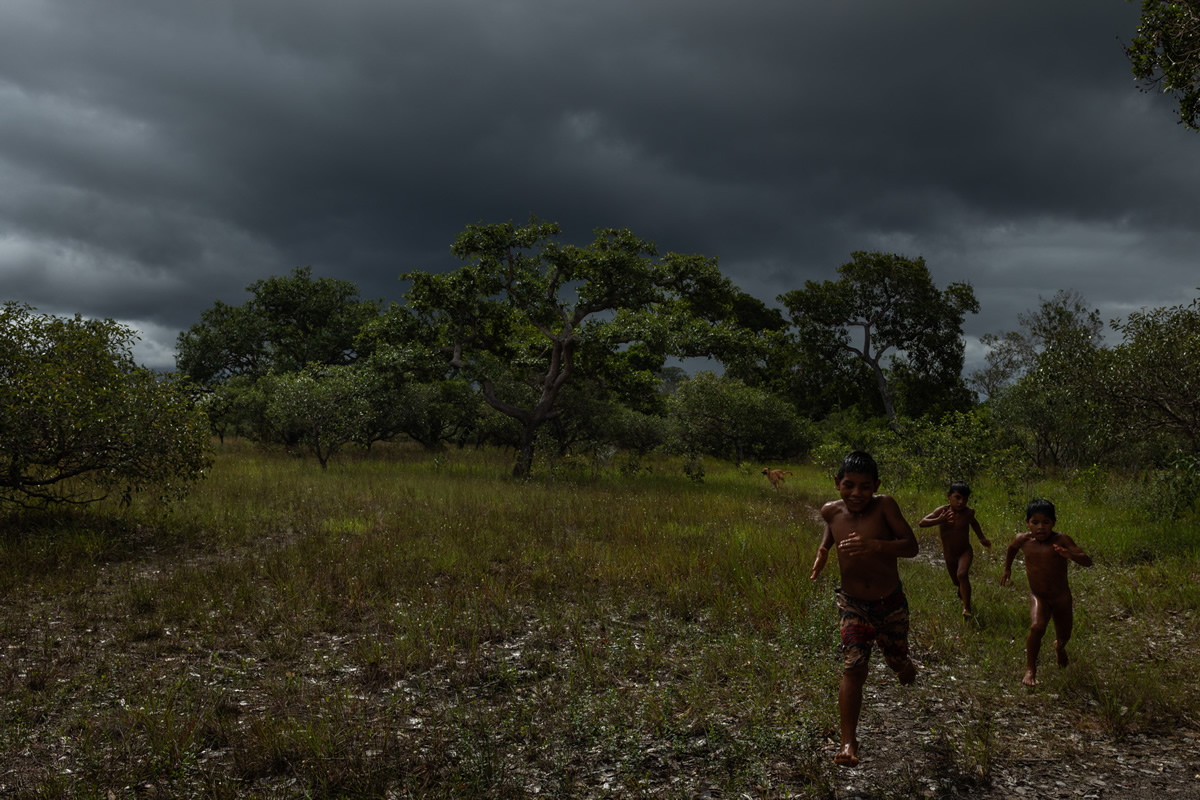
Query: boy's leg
pixel 1064 621
pixel 893 643
pixel 964 579
pixel 1039 618
pixel 858 634
pixel 849 707
pixel 951 564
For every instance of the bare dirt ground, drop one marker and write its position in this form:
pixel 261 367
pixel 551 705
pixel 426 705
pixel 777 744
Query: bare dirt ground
pixel 932 743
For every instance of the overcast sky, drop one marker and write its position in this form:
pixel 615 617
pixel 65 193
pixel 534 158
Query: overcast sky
pixel 158 156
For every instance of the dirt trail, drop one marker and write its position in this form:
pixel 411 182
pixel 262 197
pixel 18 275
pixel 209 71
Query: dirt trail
pixel 932 742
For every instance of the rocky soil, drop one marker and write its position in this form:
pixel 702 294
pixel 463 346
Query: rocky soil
pixel 933 742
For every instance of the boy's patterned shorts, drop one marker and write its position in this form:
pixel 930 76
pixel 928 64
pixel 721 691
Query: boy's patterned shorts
pixel 865 621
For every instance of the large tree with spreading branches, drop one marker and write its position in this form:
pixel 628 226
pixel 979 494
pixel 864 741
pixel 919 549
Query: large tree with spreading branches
pixel 526 315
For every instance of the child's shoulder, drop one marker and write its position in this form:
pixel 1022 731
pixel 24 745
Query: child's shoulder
pixel 832 508
pixel 884 501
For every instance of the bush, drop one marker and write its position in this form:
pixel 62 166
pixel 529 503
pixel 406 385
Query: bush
pixel 723 417
pixel 1171 492
pixel 82 420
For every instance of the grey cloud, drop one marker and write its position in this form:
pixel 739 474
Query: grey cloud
pixel 159 156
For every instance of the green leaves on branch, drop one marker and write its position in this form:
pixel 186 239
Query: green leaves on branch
pixel 1165 54
pixel 81 420
pixel 723 417
pixel 1041 382
pixel 886 306
pixel 288 323
pixel 319 408
pixel 527 315
pixel 1154 373
pixel 1068 401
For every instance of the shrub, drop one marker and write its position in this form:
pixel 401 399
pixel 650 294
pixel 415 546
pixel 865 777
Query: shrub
pixel 82 420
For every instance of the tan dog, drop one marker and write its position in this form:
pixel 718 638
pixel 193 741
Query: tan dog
pixel 775 476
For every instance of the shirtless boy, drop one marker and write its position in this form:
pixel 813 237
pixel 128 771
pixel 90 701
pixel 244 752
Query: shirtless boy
pixel 1046 554
pixel 955 521
pixel 870 534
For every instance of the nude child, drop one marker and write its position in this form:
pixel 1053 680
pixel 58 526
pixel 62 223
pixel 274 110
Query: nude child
pixel 1047 553
pixel 870 535
pixel 955 521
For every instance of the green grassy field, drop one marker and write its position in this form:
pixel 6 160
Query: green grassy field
pixel 410 625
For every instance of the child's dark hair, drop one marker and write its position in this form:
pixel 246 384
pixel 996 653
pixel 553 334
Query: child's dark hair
pixel 859 463
pixel 1040 507
pixel 959 487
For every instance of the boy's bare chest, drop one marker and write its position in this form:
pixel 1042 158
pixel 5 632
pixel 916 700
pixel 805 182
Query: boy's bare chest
pixel 1043 555
pixel 865 526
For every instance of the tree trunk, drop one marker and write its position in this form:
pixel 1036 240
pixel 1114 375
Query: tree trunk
pixel 524 465
pixel 881 379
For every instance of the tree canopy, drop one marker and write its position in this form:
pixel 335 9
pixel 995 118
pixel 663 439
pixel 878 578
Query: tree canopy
pixel 1041 384
pixel 900 316
pixel 724 417
pixel 1154 377
pixel 288 323
pixel 82 420
pixel 526 315
pixel 1060 323
pixel 1165 54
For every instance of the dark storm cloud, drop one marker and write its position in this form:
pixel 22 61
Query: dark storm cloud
pixel 155 157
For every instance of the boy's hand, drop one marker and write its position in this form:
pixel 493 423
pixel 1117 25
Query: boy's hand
pixel 1004 578
pixel 854 545
pixel 986 542
pixel 1062 551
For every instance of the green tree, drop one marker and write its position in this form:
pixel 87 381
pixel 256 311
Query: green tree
pixel 81 419
pixel 234 407
pixel 816 380
pixel 527 315
pixel 1041 383
pixel 1165 54
pixel 415 392
pixel 433 414
pixel 723 417
pixel 1153 377
pixel 905 324
pixel 1061 323
pixel 288 323
pixel 635 432
pixel 319 408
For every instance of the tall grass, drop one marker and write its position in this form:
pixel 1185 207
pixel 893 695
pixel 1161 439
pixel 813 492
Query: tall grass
pixel 411 625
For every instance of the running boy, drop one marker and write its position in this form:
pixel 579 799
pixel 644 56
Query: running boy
pixel 870 534
pixel 1046 553
pixel 955 521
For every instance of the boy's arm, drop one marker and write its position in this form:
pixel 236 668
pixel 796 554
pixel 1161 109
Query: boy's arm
pixel 822 553
pixel 933 517
pixel 906 542
pixel 1067 548
pixel 1013 549
pixel 983 540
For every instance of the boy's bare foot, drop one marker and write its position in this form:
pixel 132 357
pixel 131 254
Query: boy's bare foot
pixel 1030 678
pixel 907 674
pixel 966 612
pixel 1061 652
pixel 847 756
